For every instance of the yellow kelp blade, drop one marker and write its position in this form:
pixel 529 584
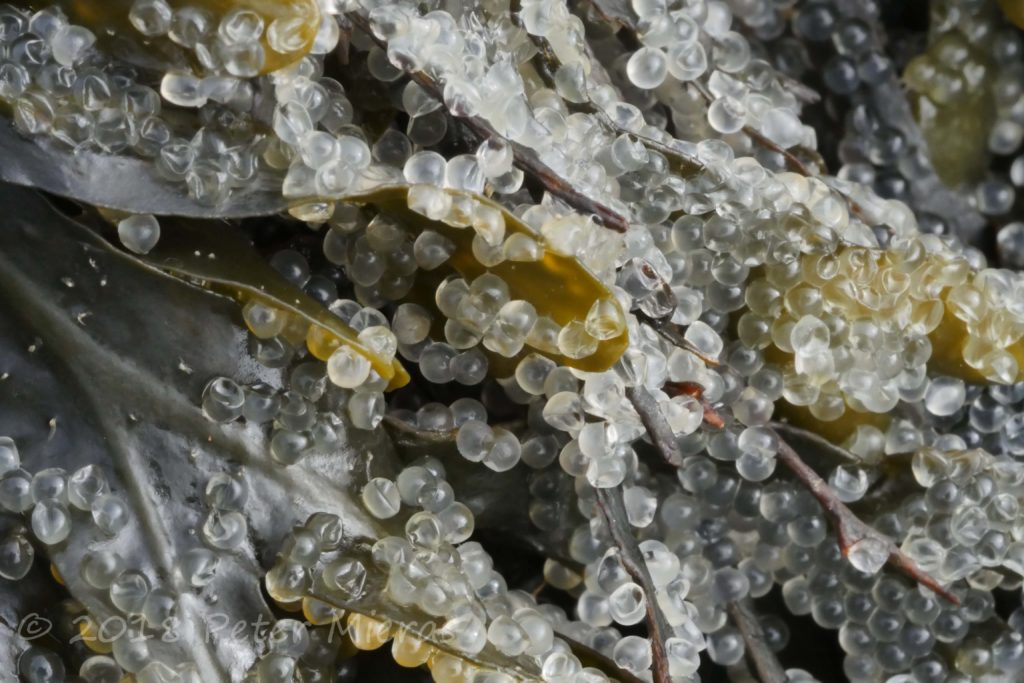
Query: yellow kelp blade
pixel 558 286
pixel 299 18
pixel 951 89
pixel 1014 11
pixel 960 322
pixel 217 256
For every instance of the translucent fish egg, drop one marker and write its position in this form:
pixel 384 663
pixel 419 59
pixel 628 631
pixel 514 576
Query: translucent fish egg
pixel 110 514
pixel 633 653
pixel 51 522
pixel 224 530
pixel 647 68
pixel 225 492
pixel 945 396
pixel 628 604
pixel 456 522
pixel 38 665
pixel 71 43
pixel 128 592
pixel 288 447
pixel 50 484
pixel 223 399
pixel 727 115
pixel 381 498
pixel 16 490
pixel 16 556
pixel 100 669
pixel 139 233
pixel 261 403
pixel 9 458
pixel 347 368
pixel 507 636
pixel 366 410
pixel 427 168
pixel 347 575
pixel 687 62
pixel 99 568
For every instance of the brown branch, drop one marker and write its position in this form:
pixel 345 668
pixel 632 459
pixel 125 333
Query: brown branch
pixel 559 187
pixel 613 508
pixel 656 425
pixel 806 437
pixel 524 158
pixel 588 656
pixel 849 528
pixel 740 673
pixel 674 334
pixel 624 18
pixel 795 162
pixel 764 661
pixel 547 63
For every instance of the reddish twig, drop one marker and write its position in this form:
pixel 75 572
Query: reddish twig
pixel 613 508
pixel 557 185
pixel 767 665
pixel 849 528
pixel 711 416
pixel 684 388
pixel 524 159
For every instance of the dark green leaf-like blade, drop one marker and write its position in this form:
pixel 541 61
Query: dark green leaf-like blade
pixel 120 182
pixel 104 362
pixel 27 607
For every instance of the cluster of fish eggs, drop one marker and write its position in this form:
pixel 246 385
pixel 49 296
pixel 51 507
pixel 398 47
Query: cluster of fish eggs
pixel 965 92
pixel 858 327
pixel 886 624
pixel 299 426
pixel 48 498
pixel 59 83
pixel 723 539
pixel 441 526
pixel 706 259
pixel 432 567
pixel 970 65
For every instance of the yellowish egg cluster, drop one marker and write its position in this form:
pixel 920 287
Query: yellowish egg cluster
pixel 861 328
